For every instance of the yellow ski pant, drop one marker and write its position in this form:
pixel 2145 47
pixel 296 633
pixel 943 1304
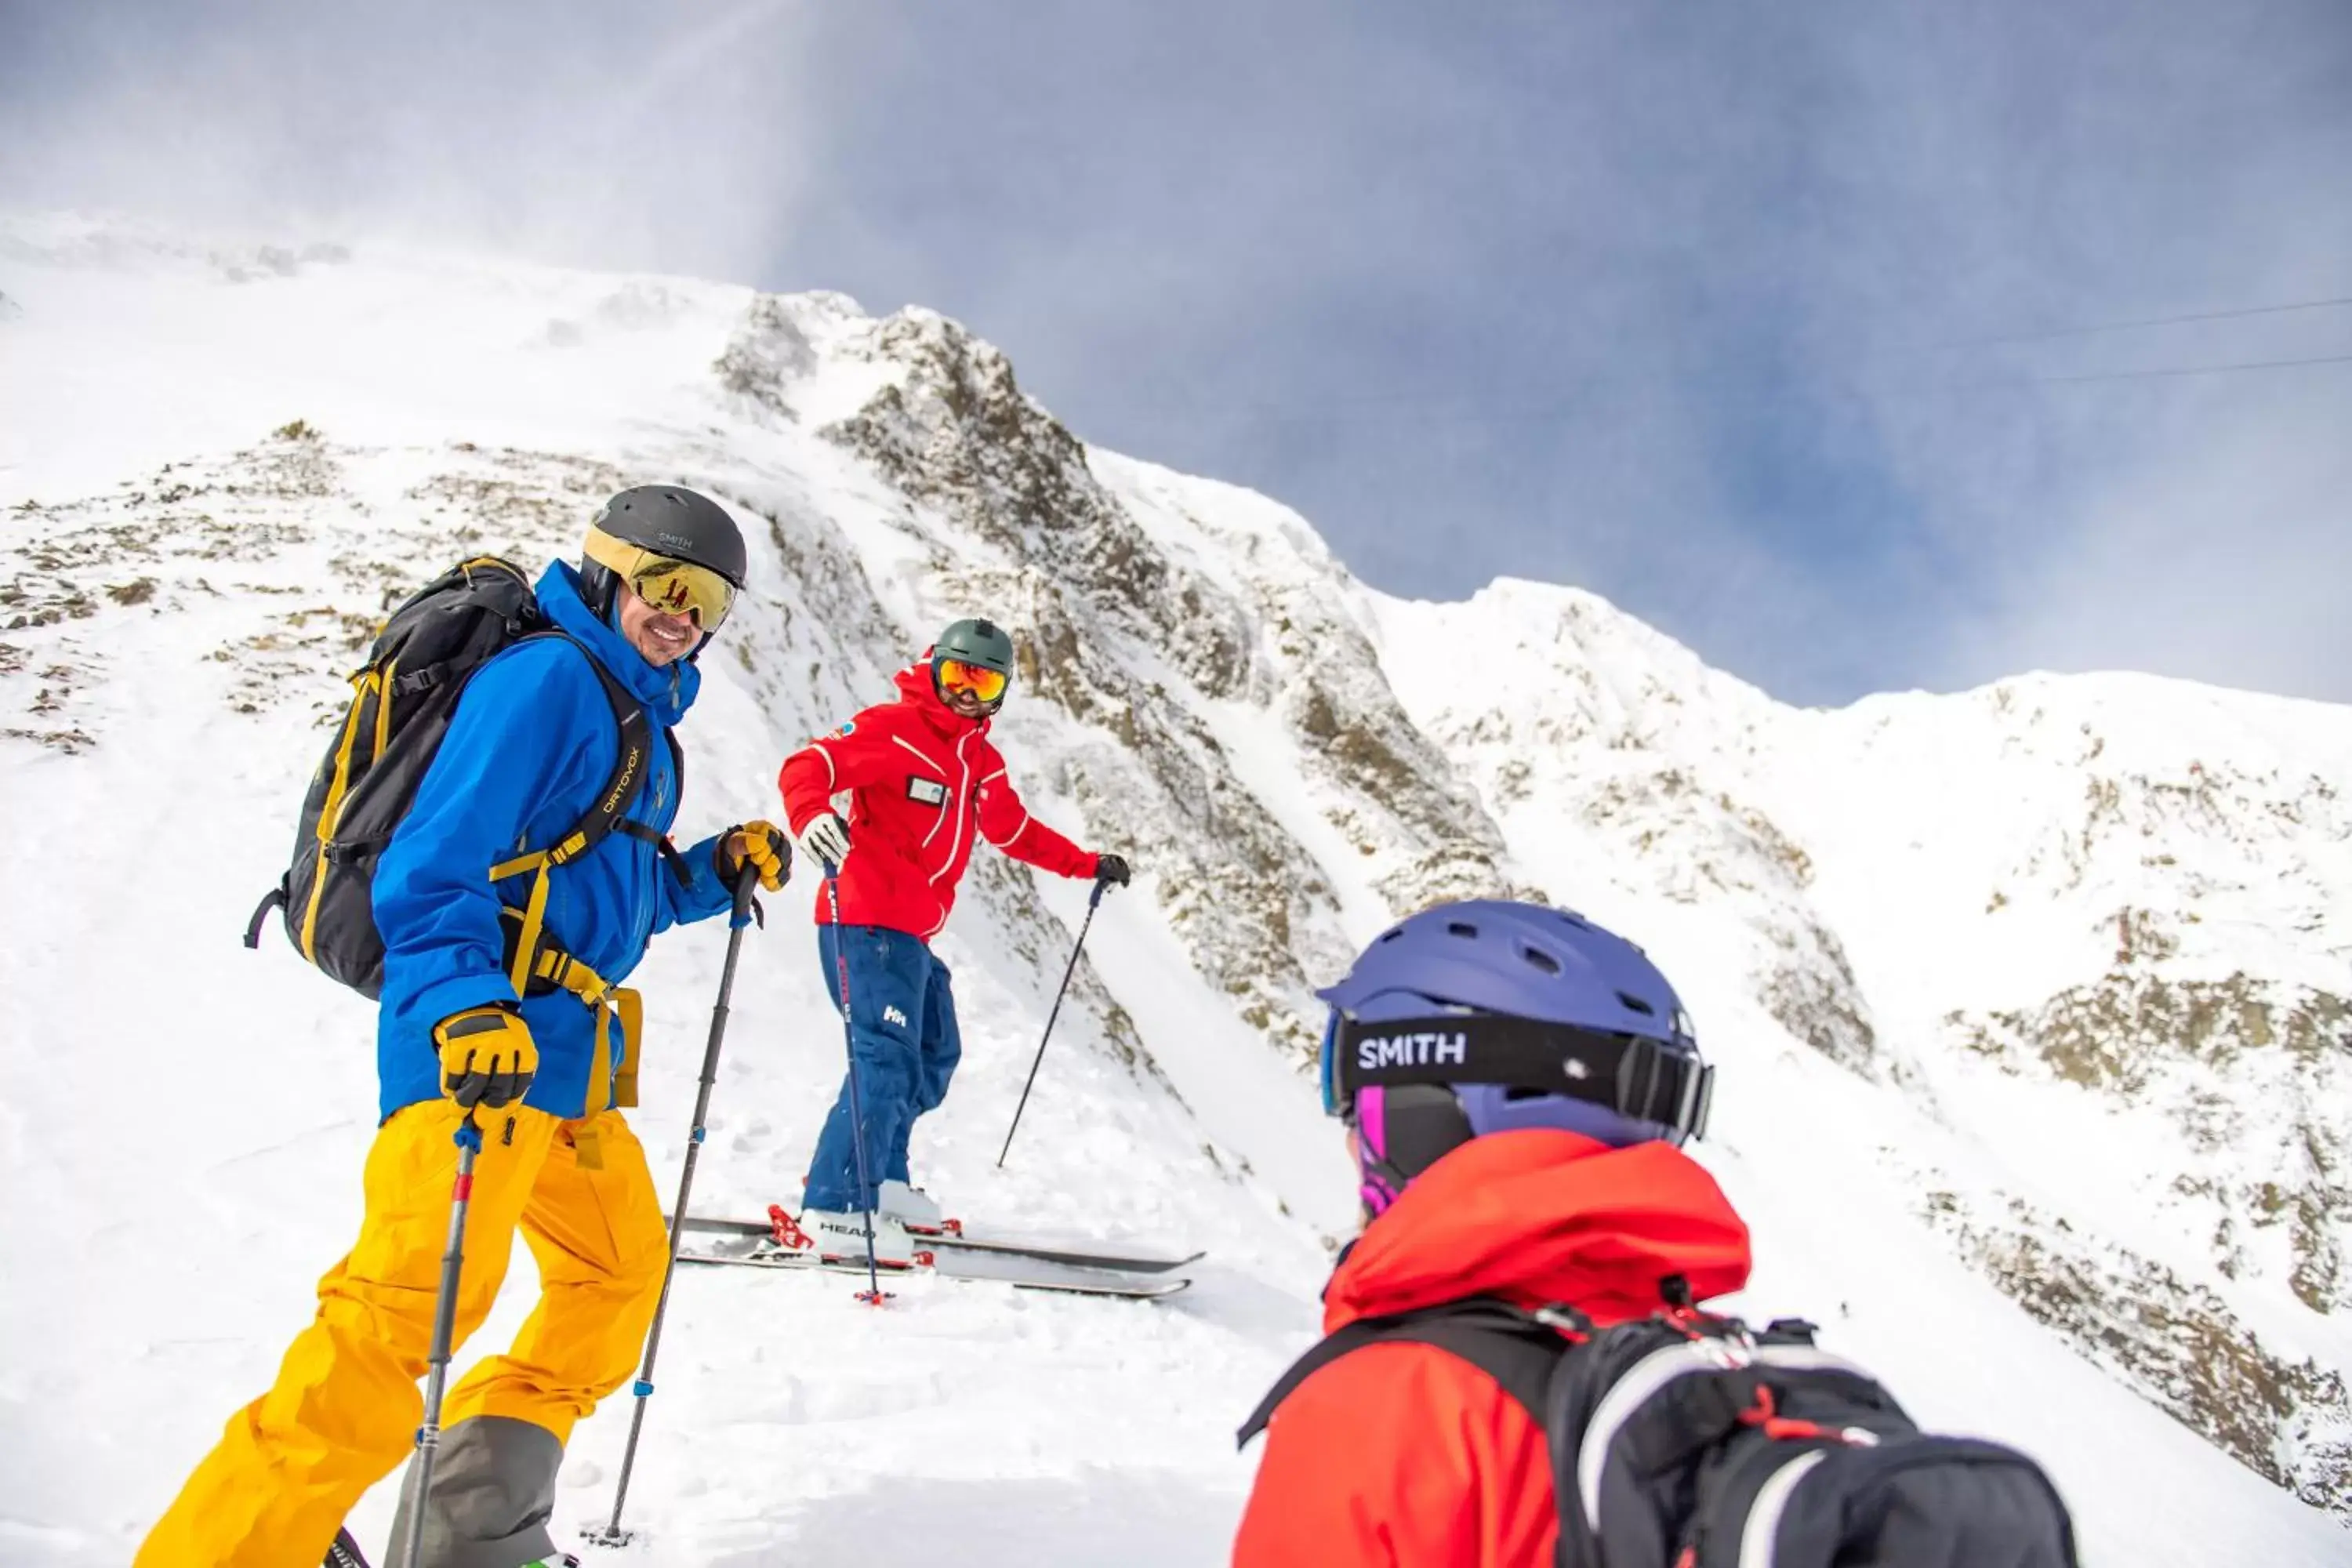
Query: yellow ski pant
pixel 346 1406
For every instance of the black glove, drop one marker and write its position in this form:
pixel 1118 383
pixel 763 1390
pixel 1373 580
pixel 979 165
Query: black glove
pixel 1112 869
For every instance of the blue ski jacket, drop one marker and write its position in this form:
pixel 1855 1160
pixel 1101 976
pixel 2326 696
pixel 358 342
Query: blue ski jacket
pixel 528 745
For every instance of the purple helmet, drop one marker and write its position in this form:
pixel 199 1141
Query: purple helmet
pixel 1489 1017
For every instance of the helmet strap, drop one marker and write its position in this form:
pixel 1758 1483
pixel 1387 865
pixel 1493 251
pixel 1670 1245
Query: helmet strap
pixel 1419 1124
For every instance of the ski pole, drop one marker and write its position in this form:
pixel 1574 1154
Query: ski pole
pixel 873 1296
pixel 445 1323
pixel 1071 969
pixel 745 881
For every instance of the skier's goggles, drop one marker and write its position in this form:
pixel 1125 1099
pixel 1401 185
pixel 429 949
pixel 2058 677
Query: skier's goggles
pixel 674 587
pixel 983 682
pixel 1638 1077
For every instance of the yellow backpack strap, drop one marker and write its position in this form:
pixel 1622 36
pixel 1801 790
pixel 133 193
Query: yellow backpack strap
pixel 534 914
pixel 599 1093
pixel 606 1080
pixel 587 1142
pixel 532 960
pixel 631 1005
pixel 629 767
pixel 367 687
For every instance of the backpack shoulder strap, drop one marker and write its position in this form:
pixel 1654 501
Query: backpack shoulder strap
pixel 629 763
pixel 603 815
pixel 619 791
pixel 1511 1346
pixel 661 845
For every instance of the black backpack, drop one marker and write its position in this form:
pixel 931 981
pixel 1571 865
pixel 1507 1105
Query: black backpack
pixel 1686 1440
pixel 402 701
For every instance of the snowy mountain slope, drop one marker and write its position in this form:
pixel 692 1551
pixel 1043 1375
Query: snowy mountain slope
pixel 2084 923
pixel 220 1186
pixel 1292 758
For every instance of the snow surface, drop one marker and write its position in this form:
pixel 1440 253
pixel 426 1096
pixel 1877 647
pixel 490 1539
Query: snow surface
pixel 181 1137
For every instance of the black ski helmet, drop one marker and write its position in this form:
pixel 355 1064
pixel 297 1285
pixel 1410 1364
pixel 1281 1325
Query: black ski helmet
pixel 975 641
pixel 668 519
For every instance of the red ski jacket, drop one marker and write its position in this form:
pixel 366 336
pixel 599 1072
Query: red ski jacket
pixel 1403 1454
pixel 925 784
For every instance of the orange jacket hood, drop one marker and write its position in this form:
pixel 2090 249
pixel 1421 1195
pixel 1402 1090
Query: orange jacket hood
pixel 1406 1453
pixel 1537 1217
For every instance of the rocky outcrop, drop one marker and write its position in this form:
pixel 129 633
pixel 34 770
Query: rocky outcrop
pixel 766 353
pixel 1130 640
pixel 2288 1419
pixel 2259 1072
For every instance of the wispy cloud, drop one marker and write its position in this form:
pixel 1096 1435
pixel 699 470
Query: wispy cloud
pixel 1686 303
pixel 598 133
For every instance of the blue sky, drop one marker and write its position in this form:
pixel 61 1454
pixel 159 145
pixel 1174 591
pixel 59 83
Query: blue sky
pixel 1691 303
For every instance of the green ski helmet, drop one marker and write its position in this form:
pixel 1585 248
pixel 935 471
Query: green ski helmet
pixel 977 648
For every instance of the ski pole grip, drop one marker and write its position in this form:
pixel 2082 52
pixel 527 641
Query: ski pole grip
pixel 1094 900
pixel 747 881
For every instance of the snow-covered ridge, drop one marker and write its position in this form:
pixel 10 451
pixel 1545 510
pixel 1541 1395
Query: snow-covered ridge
pixel 2033 990
pixel 2095 925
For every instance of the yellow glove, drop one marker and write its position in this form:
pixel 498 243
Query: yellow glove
pixel 486 1055
pixel 764 845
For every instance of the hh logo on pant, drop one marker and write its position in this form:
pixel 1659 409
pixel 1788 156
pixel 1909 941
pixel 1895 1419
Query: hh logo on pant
pixel 892 1016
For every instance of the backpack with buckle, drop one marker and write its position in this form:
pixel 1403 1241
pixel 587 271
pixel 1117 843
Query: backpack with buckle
pixel 402 701
pixel 1687 1440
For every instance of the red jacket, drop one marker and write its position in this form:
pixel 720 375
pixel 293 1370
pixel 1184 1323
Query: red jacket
pixel 925 783
pixel 1405 1455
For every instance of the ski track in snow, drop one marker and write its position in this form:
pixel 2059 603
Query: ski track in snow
pixel 182 1136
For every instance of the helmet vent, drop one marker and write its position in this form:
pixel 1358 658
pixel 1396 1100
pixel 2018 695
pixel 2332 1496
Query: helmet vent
pixel 1461 928
pixel 1391 936
pixel 1540 959
pixel 1636 1005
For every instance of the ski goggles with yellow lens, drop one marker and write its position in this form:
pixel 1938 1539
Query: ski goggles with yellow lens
pixel 983 682
pixel 674 587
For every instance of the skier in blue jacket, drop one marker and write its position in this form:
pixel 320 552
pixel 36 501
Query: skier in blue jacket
pixel 531 743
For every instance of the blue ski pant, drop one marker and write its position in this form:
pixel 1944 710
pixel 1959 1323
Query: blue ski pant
pixel 902 1028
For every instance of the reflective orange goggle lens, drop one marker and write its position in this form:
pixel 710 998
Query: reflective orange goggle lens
pixel 986 684
pixel 674 587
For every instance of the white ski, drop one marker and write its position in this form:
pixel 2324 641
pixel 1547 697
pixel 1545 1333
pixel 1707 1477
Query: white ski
pixel 1025 1273
pixel 966 1242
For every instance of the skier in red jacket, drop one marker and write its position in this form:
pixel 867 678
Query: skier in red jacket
pixel 925 785
pixel 1517 1082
